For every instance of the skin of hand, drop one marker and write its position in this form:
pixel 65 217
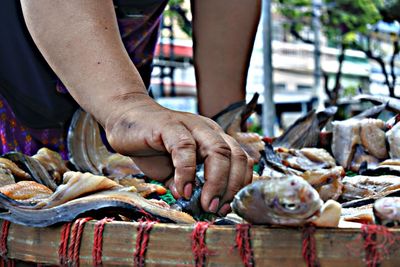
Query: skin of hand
pixel 81 42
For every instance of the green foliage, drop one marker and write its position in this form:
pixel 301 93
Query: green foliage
pixel 341 20
pixel 177 12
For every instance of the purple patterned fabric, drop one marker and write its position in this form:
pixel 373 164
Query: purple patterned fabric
pixel 139 35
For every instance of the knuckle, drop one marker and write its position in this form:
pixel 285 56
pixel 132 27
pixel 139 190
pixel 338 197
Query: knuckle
pixel 221 149
pixel 185 143
pixel 240 154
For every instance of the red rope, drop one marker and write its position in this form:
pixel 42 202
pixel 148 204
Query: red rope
pixel 3 239
pixel 142 241
pixel 378 243
pixel 97 250
pixel 76 238
pixel 199 247
pixel 62 249
pixel 309 249
pixel 243 244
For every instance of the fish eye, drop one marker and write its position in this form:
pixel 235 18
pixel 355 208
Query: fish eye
pixel 289 206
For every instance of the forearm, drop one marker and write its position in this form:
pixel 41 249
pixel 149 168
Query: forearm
pixel 224 32
pixel 80 41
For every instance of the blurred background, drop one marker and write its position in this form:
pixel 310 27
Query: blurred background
pixel 307 54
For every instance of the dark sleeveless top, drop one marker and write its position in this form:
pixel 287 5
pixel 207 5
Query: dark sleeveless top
pixel 35 108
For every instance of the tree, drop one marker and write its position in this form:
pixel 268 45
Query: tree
pixel 342 22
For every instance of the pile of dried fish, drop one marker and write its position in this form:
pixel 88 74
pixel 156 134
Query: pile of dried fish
pixel 363 146
pixel 301 177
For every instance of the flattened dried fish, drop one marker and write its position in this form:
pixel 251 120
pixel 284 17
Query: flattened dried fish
pixel 77 142
pixel 6 177
pixel 88 153
pixel 33 167
pixel 26 190
pixel 77 184
pixel 141 186
pixel 128 204
pixel 285 201
pixel 233 120
pixel 360 186
pixel 372 137
pixel 15 170
pixel 328 182
pixel 387 211
pixel 346 135
pixel 52 162
pixel 361 214
pixel 393 138
pixel 361 157
pixel 305 131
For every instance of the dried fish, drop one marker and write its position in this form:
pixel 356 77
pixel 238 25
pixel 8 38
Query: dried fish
pixel 284 201
pixel 393 138
pixel 128 204
pixel 362 214
pixel 387 211
pixel 14 169
pixel 348 134
pixel 305 131
pixel 233 121
pixel 6 177
pixel 77 184
pixel 372 137
pixel 33 167
pixel 393 104
pixel 52 162
pixel 328 182
pixel 141 186
pixel 29 191
pixel 361 186
pixel 89 154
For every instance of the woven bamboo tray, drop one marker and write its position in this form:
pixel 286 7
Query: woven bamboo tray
pixel 171 245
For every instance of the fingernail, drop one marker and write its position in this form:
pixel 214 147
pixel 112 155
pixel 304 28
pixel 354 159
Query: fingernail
pixel 225 209
pixel 214 205
pixel 187 190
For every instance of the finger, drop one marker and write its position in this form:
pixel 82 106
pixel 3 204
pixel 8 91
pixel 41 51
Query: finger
pixel 181 145
pixel 249 171
pixel 156 167
pixel 216 154
pixel 171 185
pixel 237 175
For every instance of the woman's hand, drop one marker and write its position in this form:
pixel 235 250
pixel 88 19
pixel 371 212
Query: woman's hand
pixel 166 143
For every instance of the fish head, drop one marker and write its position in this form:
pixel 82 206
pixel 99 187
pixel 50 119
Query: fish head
pixel 289 200
pixel 387 208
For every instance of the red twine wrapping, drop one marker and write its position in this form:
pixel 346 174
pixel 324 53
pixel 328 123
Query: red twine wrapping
pixel 199 247
pixel 243 244
pixel 76 237
pixel 97 250
pixel 3 246
pixel 62 249
pixel 3 239
pixel 378 242
pixel 142 241
pixel 309 250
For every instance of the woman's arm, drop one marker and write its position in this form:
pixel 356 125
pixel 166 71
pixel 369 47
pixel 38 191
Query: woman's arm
pixel 224 32
pixel 80 41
